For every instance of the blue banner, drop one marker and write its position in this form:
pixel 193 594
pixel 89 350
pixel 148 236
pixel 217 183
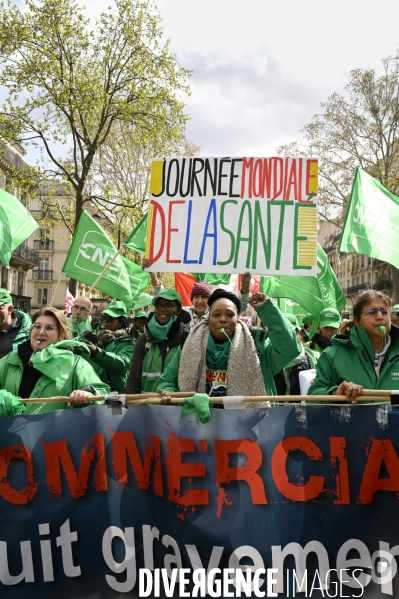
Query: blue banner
pixel 107 502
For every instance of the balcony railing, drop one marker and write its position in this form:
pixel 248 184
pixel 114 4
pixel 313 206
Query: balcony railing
pixel 356 288
pixel 27 253
pixel 42 275
pixel 43 244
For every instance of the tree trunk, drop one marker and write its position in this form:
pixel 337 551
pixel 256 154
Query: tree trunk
pixel 78 212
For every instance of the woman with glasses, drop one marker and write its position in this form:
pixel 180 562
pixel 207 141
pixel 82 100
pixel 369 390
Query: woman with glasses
pixel 111 350
pixel 365 355
pixel 163 336
pixel 43 366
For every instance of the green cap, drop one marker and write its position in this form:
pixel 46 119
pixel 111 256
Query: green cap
pixel 169 294
pixel 329 317
pixel 307 319
pixel 292 318
pixel 116 309
pixel 5 297
pixel 141 314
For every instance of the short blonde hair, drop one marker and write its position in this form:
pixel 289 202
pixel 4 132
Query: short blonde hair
pixel 61 319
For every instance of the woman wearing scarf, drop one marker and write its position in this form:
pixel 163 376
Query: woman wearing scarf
pixel 222 356
pixel 163 336
pixel 43 367
pixel 110 355
pixel 365 356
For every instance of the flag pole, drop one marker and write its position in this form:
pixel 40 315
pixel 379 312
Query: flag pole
pixel 100 276
pixel 56 289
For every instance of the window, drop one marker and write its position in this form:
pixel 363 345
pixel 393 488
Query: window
pixel 45 242
pixel 44 295
pixel 44 263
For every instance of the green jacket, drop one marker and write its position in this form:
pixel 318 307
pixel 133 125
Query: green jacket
pixel 351 359
pixel 11 371
pixel 112 363
pixel 24 330
pixel 276 347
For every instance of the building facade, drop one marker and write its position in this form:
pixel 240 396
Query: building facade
pixel 24 258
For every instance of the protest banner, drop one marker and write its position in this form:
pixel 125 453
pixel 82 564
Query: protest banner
pixel 371 224
pixel 233 215
pixel 96 502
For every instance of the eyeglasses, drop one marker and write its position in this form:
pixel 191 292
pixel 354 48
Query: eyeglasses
pixel 48 328
pixel 106 318
pixel 374 311
pixel 77 308
pixel 166 307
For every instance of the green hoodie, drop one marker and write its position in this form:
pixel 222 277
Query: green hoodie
pixel 351 359
pixel 11 371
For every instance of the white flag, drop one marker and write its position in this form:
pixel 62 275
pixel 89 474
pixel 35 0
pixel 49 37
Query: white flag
pixel 69 301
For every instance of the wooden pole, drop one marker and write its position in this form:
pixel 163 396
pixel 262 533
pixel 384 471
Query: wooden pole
pixel 56 289
pixel 154 398
pixel 100 276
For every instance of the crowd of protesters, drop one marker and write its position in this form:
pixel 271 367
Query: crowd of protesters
pixel 202 348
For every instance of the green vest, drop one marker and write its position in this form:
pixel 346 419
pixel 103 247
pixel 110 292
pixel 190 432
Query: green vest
pixel 154 365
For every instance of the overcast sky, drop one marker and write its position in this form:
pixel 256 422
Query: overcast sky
pixel 261 68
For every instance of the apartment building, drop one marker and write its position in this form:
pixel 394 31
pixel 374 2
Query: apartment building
pixel 24 258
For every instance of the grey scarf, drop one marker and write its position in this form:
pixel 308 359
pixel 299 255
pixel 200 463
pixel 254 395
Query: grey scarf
pixel 244 375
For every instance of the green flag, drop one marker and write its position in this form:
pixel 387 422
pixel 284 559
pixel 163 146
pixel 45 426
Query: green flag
pixel 91 250
pixel 5 239
pixel 312 293
pixel 289 306
pixel 20 222
pixel 213 278
pixel 143 300
pixel 137 277
pixel 372 220
pixel 136 239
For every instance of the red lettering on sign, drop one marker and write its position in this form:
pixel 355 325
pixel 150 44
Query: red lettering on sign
pixel 157 210
pixel 177 470
pixel 381 452
pixel 57 454
pixel 7 456
pixel 246 164
pixel 124 443
pixel 225 474
pixel 170 230
pixel 295 491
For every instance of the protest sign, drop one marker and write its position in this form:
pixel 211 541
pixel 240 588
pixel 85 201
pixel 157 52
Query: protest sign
pixel 91 497
pixel 233 214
